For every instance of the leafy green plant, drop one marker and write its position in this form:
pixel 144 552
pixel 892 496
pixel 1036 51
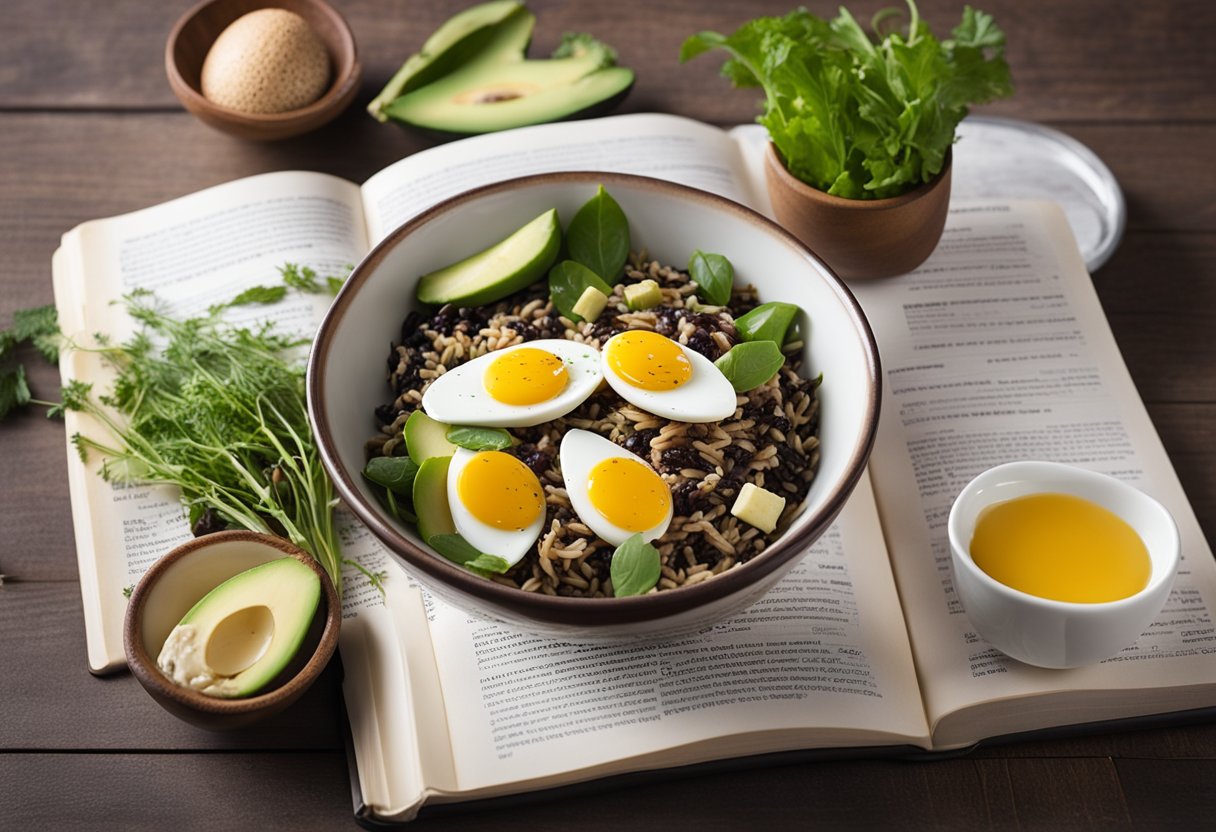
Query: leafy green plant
pixel 750 364
pixel 37 327
pixel 635 567
pixel 598 236
pixel 567 282
pixel 218 411
pixel 861 117
pixel 479 439
pixel 714 275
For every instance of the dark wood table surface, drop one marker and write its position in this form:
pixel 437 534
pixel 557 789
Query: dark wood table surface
pixel 89 128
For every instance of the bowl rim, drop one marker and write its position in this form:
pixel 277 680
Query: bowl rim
pixel 334 96
pixel 144 667
pixel 583 611
pixel 1046 477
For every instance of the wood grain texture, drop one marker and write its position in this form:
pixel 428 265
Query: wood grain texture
pixel 46 681
pixel 1072 61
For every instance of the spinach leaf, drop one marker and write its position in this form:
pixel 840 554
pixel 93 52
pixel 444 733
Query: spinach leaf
pixel 458 550
pixel 398 510
pixel 635 567
pixel 598 236
pixel 567 282
pixel 750 364
pixel 479 439
pixel 767 322
pixel 714 276
pixel 861 117
pixel 396 473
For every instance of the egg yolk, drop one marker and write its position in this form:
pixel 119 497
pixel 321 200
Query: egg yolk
pixel 525 376
pixel 500 491
pixel 648 360
pixel 628 494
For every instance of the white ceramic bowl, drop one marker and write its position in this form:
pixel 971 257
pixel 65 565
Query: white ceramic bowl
pixel 1060 634
pixel 346 380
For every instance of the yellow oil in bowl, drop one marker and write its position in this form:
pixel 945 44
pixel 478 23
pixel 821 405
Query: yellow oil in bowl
pixel 1060 547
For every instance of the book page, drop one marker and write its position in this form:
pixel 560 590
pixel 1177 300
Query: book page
pixel 821 660
pixel 191 252
pixel 661 146
pixel 997 350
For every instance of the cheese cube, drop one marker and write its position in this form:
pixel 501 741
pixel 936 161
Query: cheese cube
pixel 643 295
pixel 758 507
pixel 590 304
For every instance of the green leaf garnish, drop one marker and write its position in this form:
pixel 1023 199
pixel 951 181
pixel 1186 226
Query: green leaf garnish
pixel 750 364
pixel 396 473
pixel 458 550
pixel 14 391
pixel 635 567
pixel 767 322
pixel 598 237
pixel 861 117
pixel 567 282
pixel 714 276
pixel 479 439
pixel 259 294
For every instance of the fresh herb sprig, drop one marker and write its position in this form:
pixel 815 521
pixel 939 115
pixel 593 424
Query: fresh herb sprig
pixel 39 328
pixel 857 117
pixel 217 410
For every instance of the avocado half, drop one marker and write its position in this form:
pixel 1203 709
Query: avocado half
pixel 500 89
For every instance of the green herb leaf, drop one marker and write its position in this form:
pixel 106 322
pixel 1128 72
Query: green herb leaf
pixel 767 322
pixel 458 550
pixel 300 278
pixel 14 391
pixel 714 276
pixel 259 294
pixel 598 236
pixel 396 473
pixel 858 117
pixel 567 282
pixel 575 45
pixel 39 326
pixel 635 567
pixel 479 439
pixel 750 364
pixel 335 284
pixel 398 510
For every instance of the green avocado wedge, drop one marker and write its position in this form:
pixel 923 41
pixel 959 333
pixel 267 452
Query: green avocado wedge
pixel 243 633
pixel 426 438
pixel 503 268
pixel 459 40
pixel 431 498
pixel 500 89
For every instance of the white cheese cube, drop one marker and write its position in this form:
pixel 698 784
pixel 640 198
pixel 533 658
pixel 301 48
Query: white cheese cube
pixel 590 304
pixel 758 507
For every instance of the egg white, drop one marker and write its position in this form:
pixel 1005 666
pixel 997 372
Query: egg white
pixel 511 546
pixel 582 450
pixel 707 396
pixel 459 396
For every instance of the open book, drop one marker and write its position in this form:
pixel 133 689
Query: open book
pixel 995 350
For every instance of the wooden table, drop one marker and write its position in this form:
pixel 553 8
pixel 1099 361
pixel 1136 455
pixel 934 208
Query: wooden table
pixel 89 128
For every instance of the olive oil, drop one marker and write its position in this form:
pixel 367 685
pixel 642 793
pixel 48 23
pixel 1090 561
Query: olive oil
pixel 1060 547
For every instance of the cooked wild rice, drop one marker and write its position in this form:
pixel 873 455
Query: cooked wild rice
pixel 771 440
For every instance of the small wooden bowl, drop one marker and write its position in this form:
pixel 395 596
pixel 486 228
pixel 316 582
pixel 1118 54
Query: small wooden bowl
pixel 197 30
pixel 176 582
pixel 861 239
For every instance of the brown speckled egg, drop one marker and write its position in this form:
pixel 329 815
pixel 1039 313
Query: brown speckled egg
pixel 267 61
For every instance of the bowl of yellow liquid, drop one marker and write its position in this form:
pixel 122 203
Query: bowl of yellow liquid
pixel 1058 566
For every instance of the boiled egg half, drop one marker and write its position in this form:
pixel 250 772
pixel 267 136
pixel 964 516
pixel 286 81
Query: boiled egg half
pixel 615 493
pixel 666 378
pixel 516 387
pixel 496 501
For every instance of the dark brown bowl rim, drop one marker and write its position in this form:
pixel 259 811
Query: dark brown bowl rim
pixel 559 609
pixel 775 160
pixel 334 96
pixel 143 666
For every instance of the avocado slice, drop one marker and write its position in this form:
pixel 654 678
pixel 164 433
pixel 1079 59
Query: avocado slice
pixel 461 38
pixel 426 438
pixel 505 267
pixel 431 498
pixel 500 89
pixel 242 634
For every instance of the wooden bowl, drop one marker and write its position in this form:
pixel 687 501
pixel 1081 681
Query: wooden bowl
pixel 197 30
pixel 861 239
pixel 177 581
